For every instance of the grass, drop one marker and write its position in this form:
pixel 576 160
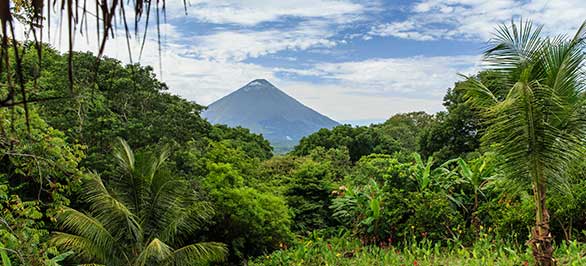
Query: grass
pixel 344 250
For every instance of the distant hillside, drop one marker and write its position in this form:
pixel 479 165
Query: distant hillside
pixel 265 109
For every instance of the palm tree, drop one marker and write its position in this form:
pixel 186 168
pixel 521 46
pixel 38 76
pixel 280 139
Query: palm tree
pixel 538 125
pixel 143 218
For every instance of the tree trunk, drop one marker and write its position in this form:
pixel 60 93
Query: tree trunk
pixel 475 219
pixel 541 236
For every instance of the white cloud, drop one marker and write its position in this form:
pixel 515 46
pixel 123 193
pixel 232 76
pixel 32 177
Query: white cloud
pixel 201 80
pixel 369 89
pixel 252 12
pixel 404 30
pixel 205 81
pixel 378 88
pixel 426 77
pixel 332 99
pixel 476 19
pixel 240 45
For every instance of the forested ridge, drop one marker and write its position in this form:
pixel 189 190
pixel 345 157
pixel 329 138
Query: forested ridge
pixel 121 172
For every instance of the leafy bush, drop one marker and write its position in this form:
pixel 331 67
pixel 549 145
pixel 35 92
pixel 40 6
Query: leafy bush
pixel 38 175
pixel 251 222
pixel 371 212
pixel 381 167
pixel 23 233
pixel 510 217
pixel 567 210
pixel 432 216
pixel 308 195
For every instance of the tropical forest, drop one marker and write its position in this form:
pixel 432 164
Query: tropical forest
pixel 102 162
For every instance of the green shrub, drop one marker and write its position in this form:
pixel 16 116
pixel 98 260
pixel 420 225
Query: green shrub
pixel 308 195
pixel 38 175
pixel 371 212
pixel 250 221
pixel 381 167
pixel 510 217
pixel 431 216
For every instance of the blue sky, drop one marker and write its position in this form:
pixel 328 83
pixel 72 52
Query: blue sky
pixel 350 60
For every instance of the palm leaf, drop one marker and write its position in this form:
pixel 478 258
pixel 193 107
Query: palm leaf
pixel 538 126
pixel 132 184
pixel 59 258
pixel 87 227
pixel 198 253
pixel 124 156
pixel 187 221
pixel 155 252
pixel 109 211
pixel 84 249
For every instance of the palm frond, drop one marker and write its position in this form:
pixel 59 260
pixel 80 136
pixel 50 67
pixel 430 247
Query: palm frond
pixel 198 253
pixel 155 252
pixel 84 249
pixel 174 208
pixel 165 206
pixel 132 183
pixel 87 227
pixel 580 35
pixel 187 221
pixel 111 213
pixel 477 94
pixel 514 45
pixel 160 160
pixel 538 126
pixel 124 156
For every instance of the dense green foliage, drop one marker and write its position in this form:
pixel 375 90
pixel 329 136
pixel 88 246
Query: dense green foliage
pixel 398 134
pixel 73 137
pixel 124 173
pixel 39 175
pixel 142 217
pixel 249 218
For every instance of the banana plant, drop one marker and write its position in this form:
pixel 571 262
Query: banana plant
pixel 363 209
pixel 374 199
pixel 424 174
pixel 478 173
